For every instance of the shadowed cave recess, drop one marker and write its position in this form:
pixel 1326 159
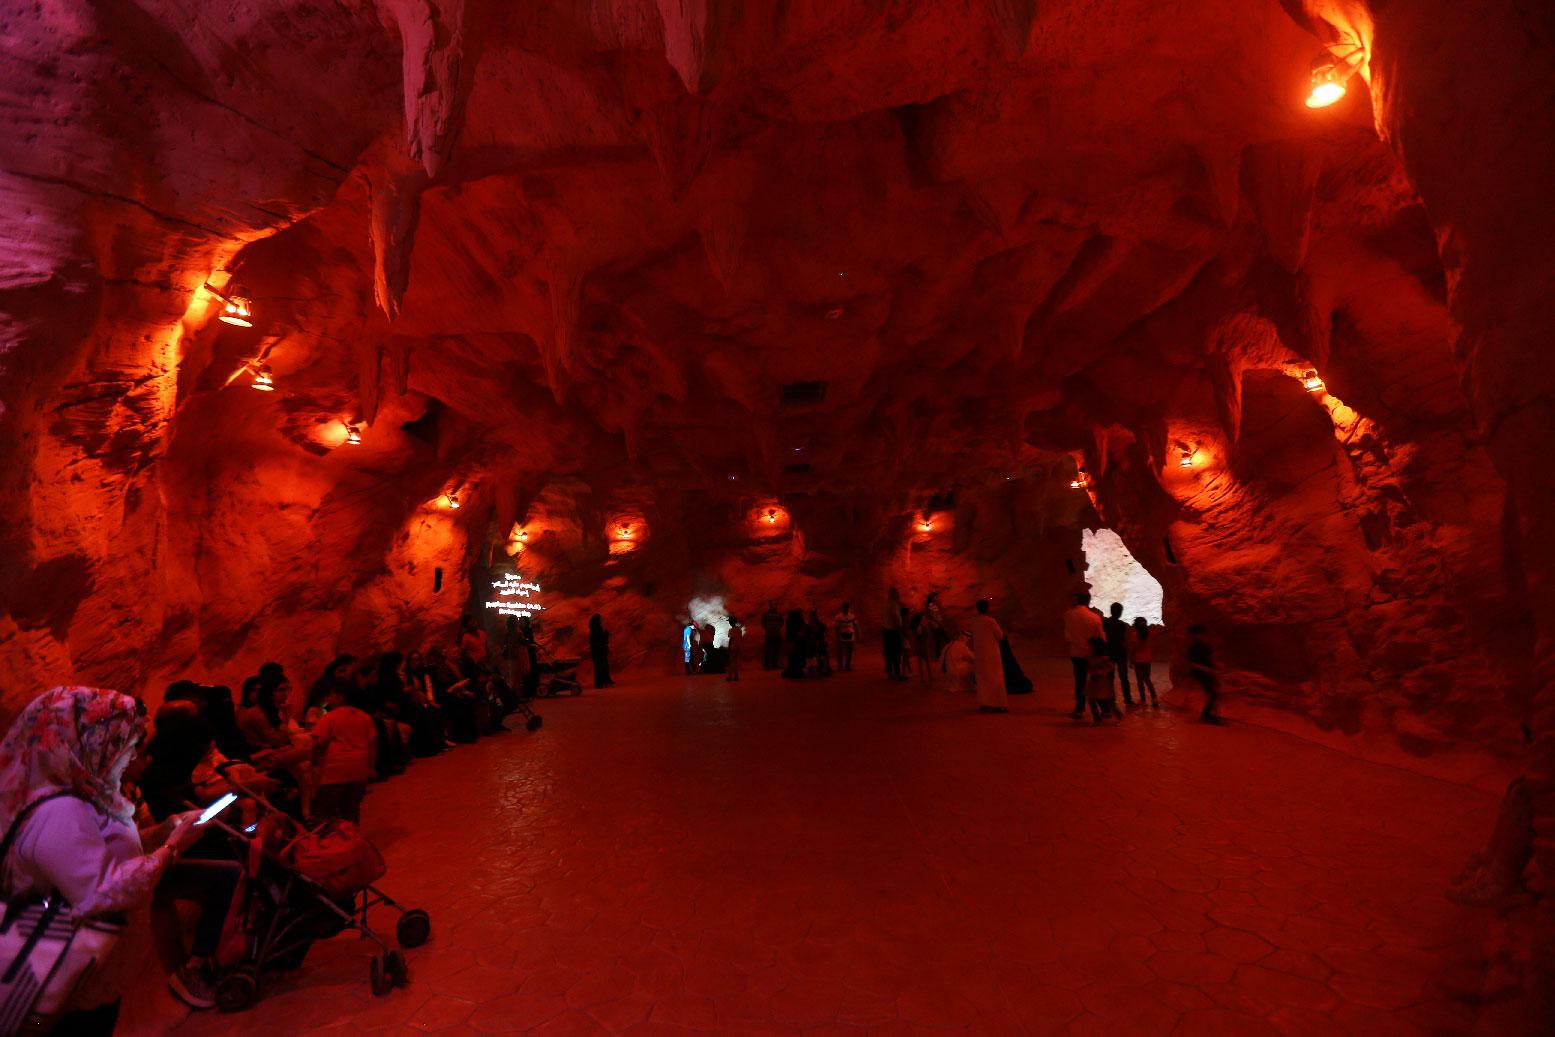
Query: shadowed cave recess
pixel 662 303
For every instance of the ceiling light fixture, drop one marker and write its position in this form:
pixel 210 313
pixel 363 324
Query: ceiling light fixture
pixel 1330 73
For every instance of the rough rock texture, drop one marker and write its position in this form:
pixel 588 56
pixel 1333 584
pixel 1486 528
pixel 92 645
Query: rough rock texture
pixel 556 259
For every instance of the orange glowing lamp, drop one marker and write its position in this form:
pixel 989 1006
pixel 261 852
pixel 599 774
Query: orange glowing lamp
pixel 1329 76
pixel 353 435
pixel 1186 461
pixel 1312 383
pixel 238 310
pixel 770 517
pixel 263 381
pixel 1080 480
pixel 926 526
pixel 453 501
pixel 623 532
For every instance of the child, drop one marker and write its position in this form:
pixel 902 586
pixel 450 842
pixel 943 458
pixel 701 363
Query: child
pixel 344 743
pixel 1142 660
pixel 736 639
pixel 1099 675
pixel 1201 667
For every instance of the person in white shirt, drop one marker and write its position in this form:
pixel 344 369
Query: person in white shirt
pixel 1080 625
pixel 989 661
pixel 845 624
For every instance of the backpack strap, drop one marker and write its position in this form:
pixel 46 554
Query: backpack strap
pixel 16 826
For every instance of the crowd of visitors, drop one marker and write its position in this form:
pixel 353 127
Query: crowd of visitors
pixel 97 798
pixel 1106 652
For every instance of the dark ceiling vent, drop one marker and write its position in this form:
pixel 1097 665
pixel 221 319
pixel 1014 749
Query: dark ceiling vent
pixel 802 468
pixel 802 392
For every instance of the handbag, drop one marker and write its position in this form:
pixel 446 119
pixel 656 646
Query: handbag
pixel 46 951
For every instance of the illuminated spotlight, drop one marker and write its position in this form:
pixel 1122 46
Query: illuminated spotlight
pixel 1330 73
pixel 264 381
pixel 452 500
pixel 353 435
pixel 926 526
pixel 522 534
pixel 623 532
pixel 1080 480
pixel 771 515
pixel 1186 461
pixel 236 308
pixel 1312 383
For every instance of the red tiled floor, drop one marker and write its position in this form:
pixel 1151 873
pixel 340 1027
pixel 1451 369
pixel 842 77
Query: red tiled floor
pixel 852 856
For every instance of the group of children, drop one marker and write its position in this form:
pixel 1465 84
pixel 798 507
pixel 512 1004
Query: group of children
pixel 1111 655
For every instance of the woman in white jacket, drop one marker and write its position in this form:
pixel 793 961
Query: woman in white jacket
pixel 61 767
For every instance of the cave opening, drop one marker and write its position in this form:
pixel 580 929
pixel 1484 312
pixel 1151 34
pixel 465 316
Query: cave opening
pixel 1115 575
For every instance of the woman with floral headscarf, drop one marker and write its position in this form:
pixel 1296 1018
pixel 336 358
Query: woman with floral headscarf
pixel 61 766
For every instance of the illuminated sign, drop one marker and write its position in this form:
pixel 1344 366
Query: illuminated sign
pixel 512 595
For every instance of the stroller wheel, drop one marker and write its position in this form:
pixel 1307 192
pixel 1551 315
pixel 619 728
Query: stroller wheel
pixel 534 722
pixel 413 928
pixel 394 962
pixel 238 989
pixel 378 975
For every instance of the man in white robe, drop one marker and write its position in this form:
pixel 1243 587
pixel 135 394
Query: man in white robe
pixel 989 661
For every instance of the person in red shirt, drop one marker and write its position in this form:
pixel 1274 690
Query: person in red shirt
pixel 473 649
pixel 344 745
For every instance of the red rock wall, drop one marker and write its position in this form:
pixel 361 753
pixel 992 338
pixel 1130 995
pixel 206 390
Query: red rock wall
pixel 556 261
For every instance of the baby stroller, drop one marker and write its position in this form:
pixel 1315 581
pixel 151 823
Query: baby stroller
pixel 304 886
pixel 558 677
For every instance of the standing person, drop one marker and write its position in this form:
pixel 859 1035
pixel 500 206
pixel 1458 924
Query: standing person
pixel 1080 625
pixel 922 637
pixel 1117 649
pixel 736 641
pixel 772 630
pixel 934 616
pixel 1201 667
pixel 988 660
pixel 1142 659
pixel 531 646
pixel 891 635
pixel 599 650
pixel 845 623
pixel 473 650
pixel 709 658
pixel 1098 678
pixel 345 743
pixel 818 648
pixel 688 644
pixel 515 650
pixel 70 833
pixel 795 634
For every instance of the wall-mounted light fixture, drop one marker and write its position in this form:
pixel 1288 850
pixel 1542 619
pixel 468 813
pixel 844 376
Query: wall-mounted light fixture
pixel 770 517
pixel 1311 382
pixel 451 501
pixel 926 526
pixel 1331 71
pixel 623 532
pixel 353 435
pixel 1080 480
pixel 1186 458
pixel 237 308
pixel 263 381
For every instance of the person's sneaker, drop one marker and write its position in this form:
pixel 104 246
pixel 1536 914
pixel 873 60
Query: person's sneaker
pixel 189 985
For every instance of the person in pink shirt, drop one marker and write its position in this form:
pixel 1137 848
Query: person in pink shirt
pixel 344 743
pixel 1081 624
